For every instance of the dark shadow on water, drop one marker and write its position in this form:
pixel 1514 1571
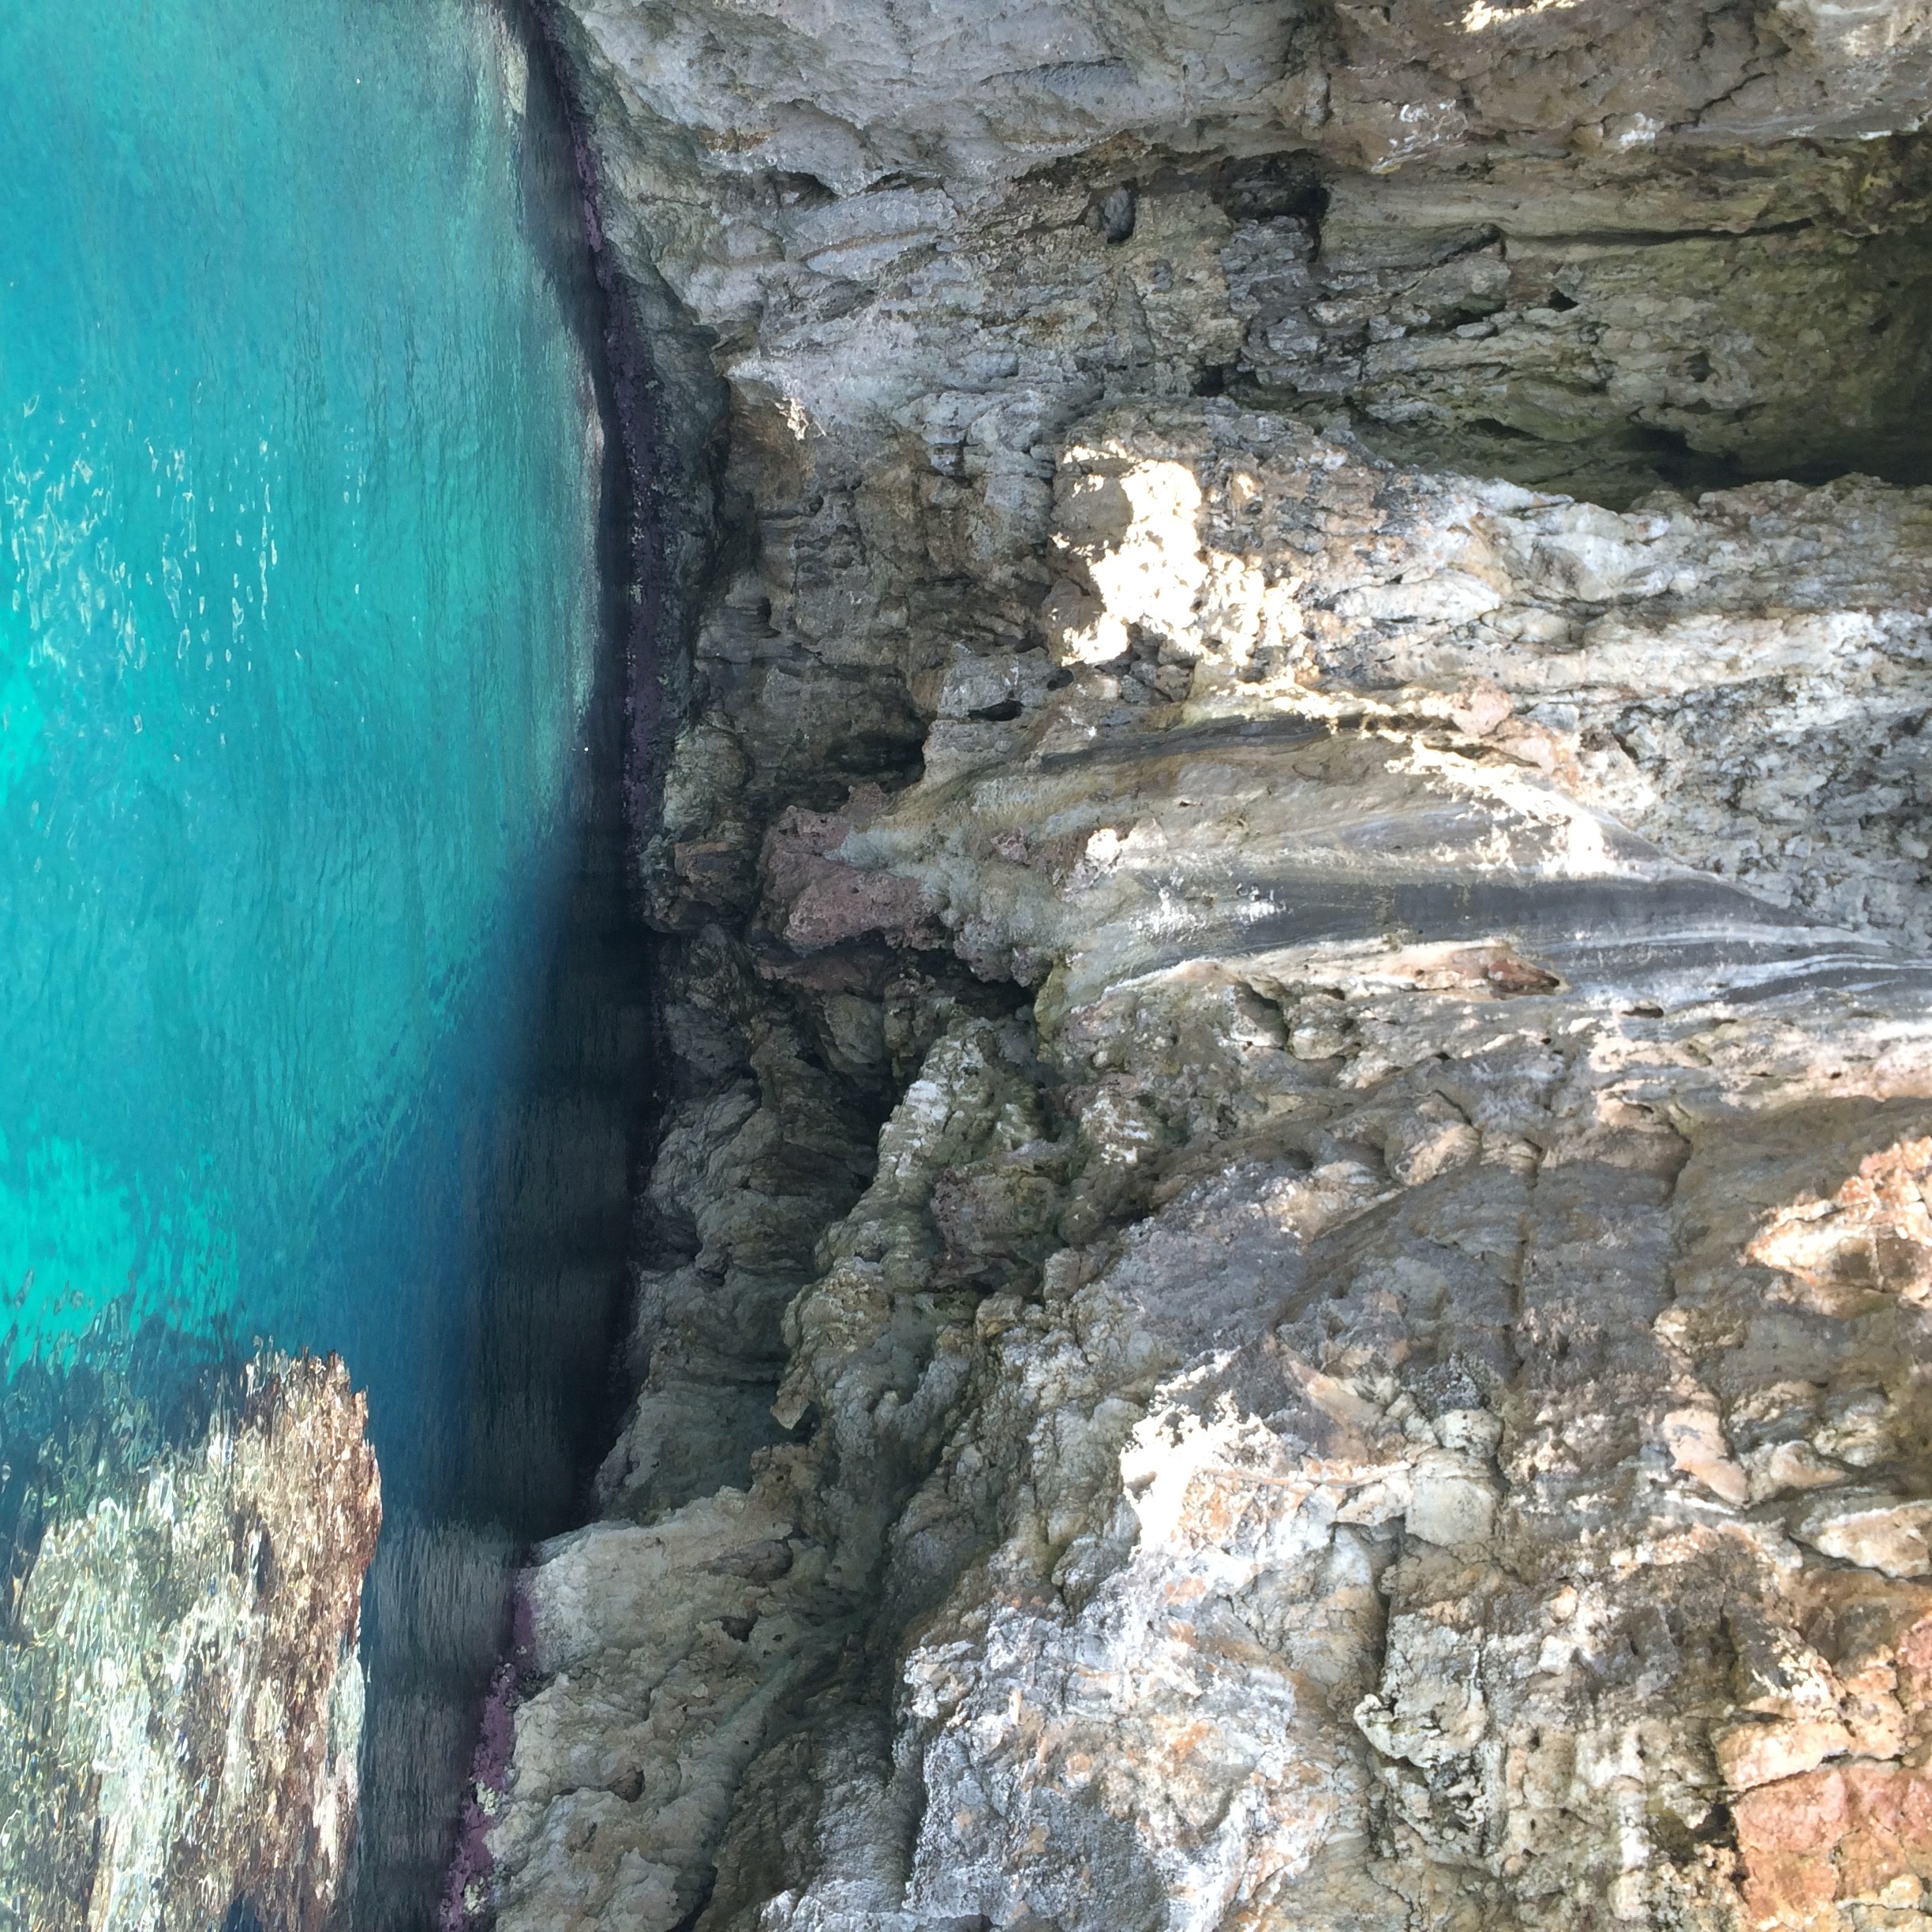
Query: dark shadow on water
pixel 553 1175
pixel 537 1404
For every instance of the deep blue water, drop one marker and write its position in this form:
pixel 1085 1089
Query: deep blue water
pixel 301 467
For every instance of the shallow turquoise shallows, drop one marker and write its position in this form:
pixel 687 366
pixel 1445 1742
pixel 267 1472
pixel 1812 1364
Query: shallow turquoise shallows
pixel 299 476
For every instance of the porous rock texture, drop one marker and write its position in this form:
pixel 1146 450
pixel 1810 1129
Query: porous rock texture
pixel 181 1697
pixel 1291 1271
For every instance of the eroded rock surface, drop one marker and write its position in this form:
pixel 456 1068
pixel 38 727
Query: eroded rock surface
pixel 1290 1269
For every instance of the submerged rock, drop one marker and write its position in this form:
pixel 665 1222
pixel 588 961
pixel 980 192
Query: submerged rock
pixel 181 1695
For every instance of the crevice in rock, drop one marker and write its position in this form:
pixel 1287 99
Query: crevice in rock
pixel 1471 327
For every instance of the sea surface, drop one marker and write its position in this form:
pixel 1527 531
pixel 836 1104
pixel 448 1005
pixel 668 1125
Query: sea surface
pixel 310 929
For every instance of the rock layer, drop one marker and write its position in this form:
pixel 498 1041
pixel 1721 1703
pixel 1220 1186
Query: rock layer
pixel 1289 1267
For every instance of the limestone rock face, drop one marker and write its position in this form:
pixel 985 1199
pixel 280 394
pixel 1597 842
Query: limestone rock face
pixel 180 1698
pixel 1289 1275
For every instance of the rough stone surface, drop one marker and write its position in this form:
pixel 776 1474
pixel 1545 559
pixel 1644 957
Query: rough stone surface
pixel 180 1698
pixel 1290 1273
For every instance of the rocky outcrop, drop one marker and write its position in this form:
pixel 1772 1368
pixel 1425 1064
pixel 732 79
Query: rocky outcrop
pixel 1289 1272
pixel 180 1696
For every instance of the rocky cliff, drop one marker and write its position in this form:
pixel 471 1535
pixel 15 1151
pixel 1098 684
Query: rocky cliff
pixel 1289 1277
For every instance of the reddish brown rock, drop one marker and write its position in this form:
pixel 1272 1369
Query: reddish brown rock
pixel 1861 1835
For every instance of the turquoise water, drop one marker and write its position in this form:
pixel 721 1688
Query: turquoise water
pixel 299 475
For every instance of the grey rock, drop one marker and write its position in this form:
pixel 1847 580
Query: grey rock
pixel 1297 975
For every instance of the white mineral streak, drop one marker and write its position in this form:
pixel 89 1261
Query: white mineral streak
pixel 1374 1373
